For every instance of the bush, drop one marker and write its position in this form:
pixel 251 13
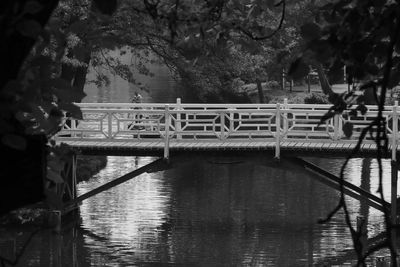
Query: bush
pixel 316 98
pixel 273 85
pixel 281 98
pixel 89 166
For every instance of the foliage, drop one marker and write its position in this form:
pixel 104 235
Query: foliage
pixel 316 98
pixel 364 37
pixel 89 166
pixel 24 216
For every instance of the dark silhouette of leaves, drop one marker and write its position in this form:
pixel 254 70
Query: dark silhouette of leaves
pixel 348 129
pixel 107 7
pixel 298 69
pixel 310 31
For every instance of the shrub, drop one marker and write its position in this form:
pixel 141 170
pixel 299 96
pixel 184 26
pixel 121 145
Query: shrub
pixel 316 98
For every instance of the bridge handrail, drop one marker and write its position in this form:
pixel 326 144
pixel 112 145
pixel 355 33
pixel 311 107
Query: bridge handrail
pixel 279 122
pixel 208 105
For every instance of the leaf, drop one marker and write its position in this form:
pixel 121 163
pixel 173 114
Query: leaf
pixel 41 60
pixel 6 126
pixel 14 141
pixel 348 129
pixel 310 31
pixel 53 200
pixel 298 69
pixel 328 115
pixel 32 7
pixel 73 110
pixel 70 95
pixel 362 108
pixel 55 112
pixel 29 28
pixel 106 6
pixel 80 53
pixel 56 165
pixel 353 113
pixel 394 79
pixel 54 176
pixel 78 27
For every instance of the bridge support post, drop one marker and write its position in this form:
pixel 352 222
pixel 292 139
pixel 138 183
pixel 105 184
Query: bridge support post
pixel 178 122
pixel 336 128
pixel 362 227
pixel 394 173
pixel 73 176
pixel 278 131
pixel 167 125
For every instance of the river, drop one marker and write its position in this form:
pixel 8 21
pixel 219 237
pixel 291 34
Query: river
pixel 204 211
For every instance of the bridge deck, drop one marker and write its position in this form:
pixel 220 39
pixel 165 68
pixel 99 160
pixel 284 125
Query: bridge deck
pixel 157 147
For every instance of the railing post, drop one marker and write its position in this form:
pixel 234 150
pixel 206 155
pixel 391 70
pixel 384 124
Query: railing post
pixel 222 125
pixel 278 131
pixel 109 125
pixel 231 120
pixel 394 173
pixel 362 227
pixel 73 127
pixel 336 128
pixel 167 124
pixel 285 115
pixel 395 130
pixel 178 123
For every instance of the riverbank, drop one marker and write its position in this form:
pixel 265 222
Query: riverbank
pixel 37 214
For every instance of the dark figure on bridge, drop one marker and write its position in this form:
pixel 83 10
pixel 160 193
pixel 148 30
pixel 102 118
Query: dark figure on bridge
pixel 137 98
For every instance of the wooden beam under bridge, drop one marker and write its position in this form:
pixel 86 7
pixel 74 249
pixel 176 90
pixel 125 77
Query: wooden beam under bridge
pixel 157 165
pixel 349 189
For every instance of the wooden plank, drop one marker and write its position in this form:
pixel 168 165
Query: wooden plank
pixel 319 146
pixel 291 144
pixel 306 146
pixel 325 145
pixel 298 145
pixel 365 146
pixel 340 146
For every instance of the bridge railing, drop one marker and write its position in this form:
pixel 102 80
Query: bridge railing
pixel 281 122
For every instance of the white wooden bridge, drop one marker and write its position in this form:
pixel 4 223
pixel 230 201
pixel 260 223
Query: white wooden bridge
pixel 158 129
pixel 154 128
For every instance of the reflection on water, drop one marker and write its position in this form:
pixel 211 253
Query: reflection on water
pixel 204 212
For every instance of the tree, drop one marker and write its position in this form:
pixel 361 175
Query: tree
pixel 27 88
pixel 364 36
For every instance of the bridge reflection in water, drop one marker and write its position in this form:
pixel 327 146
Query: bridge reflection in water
pixel 214 211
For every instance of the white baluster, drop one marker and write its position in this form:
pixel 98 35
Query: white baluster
pixel 222 115
pixel 178 123
pixel 278 132
pixel 285 115
pixel 109 135
pixel 167 124
pixel 395 120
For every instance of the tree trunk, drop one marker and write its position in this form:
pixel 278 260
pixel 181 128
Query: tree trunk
pixel 76 76
pixel 325 86
pixel 261 96
pixel 80 73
